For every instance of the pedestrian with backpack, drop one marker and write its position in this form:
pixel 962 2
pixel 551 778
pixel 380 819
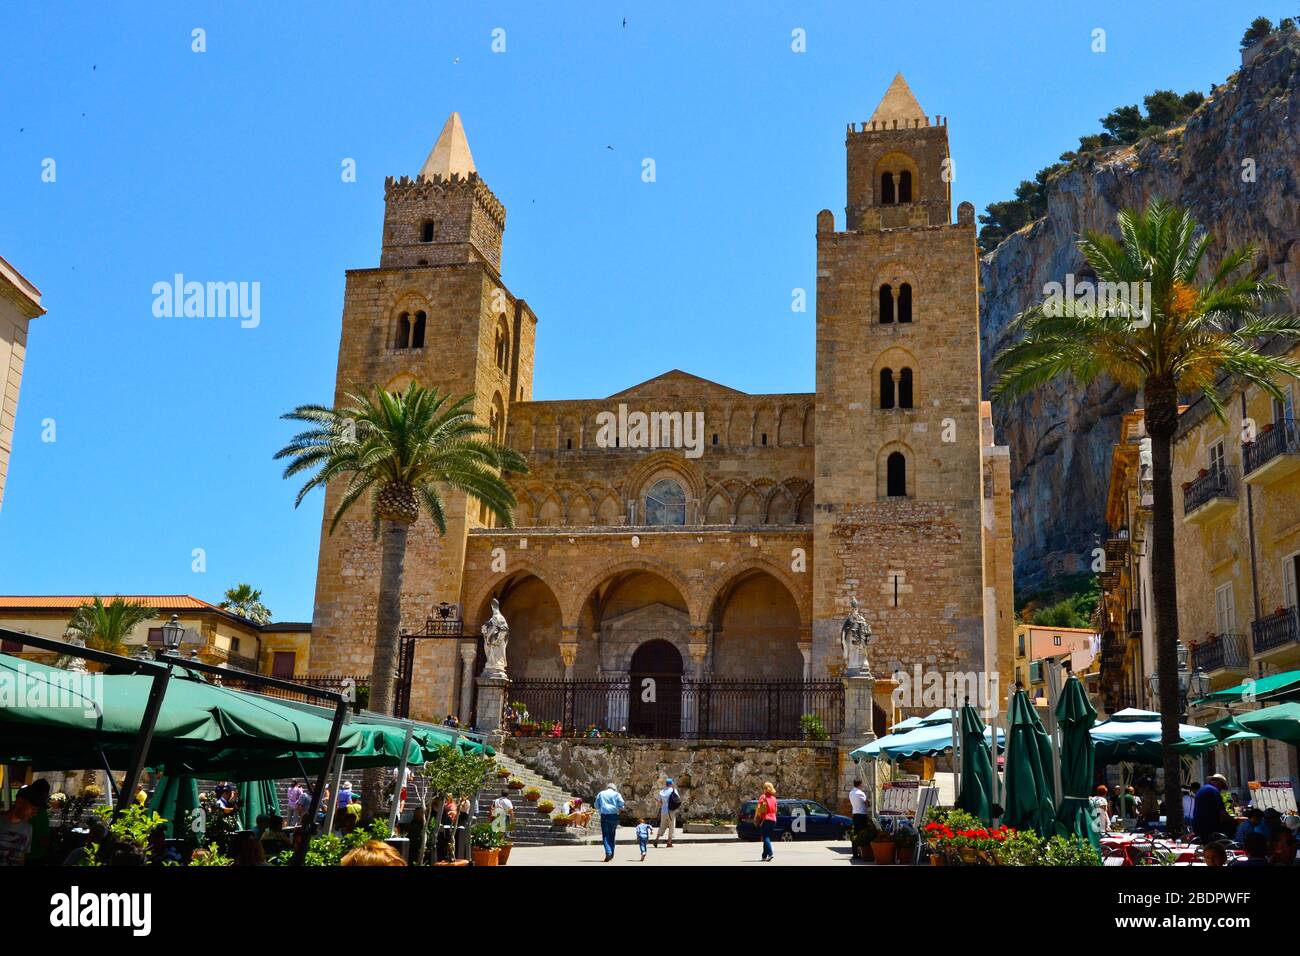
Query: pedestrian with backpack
pixel 669 803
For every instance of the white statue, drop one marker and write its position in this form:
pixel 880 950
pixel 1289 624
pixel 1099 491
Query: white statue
pixel 855 635
pixel 496 634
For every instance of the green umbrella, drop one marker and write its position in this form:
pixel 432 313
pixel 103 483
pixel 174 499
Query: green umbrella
pixel 1279 722
pixel 175 798
pixel 1030 802
pixel 257 798
pixel 976 766
pixel 1075 715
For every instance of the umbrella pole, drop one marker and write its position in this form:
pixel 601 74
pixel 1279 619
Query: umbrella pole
pixel 309 826
pixel 401 780
pixel 1054 698
pixel 334 794
pixel 143 739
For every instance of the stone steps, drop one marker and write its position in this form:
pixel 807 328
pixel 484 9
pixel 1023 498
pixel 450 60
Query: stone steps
pixel 531 826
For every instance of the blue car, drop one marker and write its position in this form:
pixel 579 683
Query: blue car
pixel 796 820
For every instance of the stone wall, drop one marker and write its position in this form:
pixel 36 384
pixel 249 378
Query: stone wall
pixel 714 777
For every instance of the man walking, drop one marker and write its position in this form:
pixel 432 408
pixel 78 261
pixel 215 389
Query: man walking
pixel 669 801
pixel 1207 808
pixel 858 806
pixel 608 804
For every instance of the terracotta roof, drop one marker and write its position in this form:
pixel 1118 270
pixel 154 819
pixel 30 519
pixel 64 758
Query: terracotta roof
pixel 56 602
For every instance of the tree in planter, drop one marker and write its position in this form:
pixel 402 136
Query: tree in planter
pixel 105 627
pixel 1190 335
pixel 404 452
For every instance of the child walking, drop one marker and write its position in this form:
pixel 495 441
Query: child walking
pixel 642 836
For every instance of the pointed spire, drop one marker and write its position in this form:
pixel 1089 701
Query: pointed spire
pixel 899 104
pixel 450 154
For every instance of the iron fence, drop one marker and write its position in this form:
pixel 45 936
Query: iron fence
pixel 1281 439
pixel 1217 482
pixel 1276 630
pixel 668 707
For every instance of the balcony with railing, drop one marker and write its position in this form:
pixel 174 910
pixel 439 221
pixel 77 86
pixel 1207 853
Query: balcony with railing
pixel 1222 652
pixel 1273 455
pixel 1209 495
pixel 1134 622
pixel 1277 631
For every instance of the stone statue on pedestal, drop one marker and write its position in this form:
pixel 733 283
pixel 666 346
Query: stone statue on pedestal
pixel 496 634
pixel 855 635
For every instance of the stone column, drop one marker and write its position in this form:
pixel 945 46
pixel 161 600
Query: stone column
pixel 698 646
pixel 805 651
pixel 859 693
pixel 467 654
pixel 492 693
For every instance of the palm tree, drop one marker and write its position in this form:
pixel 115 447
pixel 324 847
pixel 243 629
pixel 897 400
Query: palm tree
pixel 405 450
pixel 246 601
pixel 105 627
pixel 1190 335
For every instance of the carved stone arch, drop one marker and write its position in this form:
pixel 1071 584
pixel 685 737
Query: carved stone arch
pixel 409 302
pixel 778 505
pixel 740 428
pixel 655 466
pixel 749 506
pixel 765 424
pixel 895 358
pixel 728 575
pixel 895 275
pixel 578 509
pixel 575 599
pixel 884 465
pixel 895 163
pixel 520 566
pixel 803 501
pixel 550 509
pixel 718 506
pixel 810 425
pixel 607 509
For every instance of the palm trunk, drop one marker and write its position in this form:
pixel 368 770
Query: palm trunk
pixel 388 623
pixel 1161 417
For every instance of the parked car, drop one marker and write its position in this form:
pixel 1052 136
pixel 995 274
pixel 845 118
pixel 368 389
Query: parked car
pixel 795 820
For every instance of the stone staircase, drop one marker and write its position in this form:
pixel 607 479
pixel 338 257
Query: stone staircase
pixel 532 827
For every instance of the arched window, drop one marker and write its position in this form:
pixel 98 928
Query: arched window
pixel 886 304
pixel 665 503
pixel 887 196
pixel 403 340
pixel 905 388
pixel 886 388
pixel 896 475
pixel 905 303
pixel 502 346
pixel 417 331
pixel 905 186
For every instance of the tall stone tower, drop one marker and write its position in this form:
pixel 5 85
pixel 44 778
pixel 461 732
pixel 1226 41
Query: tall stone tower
pixel 898 486
pixel 436 311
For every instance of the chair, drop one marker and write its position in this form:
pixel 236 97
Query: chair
pixel 1113 856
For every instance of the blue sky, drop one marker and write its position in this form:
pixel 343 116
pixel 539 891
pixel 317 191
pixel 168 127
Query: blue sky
pixel 225 166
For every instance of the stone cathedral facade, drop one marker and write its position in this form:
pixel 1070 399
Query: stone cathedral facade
pixel 681 526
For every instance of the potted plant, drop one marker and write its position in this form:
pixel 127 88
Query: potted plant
pixel 560 821
pixel 532 794
pixel 486 844
pixel 515 784
pixel 502 773
pixel 882 848
pixel 905 839
pixel 861 840
pixel 545 806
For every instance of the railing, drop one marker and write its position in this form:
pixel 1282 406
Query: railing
pixel 1215 483
pixel 1135 622
pixel 1276 630
pixel 1222 650
pixel 355 688
pixel 1282 439
pixel 669 707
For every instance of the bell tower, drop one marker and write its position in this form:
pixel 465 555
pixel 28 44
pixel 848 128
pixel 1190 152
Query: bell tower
pixel 897 521
pixel 436 311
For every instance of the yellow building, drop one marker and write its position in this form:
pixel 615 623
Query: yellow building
pixel 20 302
pixel 1237 546
pixel 216 635
pixel 1125 616
pixel 1038 648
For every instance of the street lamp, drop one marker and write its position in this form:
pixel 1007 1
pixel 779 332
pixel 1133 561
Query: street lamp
pixel 172 632
pixel 1192 685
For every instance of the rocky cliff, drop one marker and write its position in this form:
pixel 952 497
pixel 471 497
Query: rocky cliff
pixel 1061 436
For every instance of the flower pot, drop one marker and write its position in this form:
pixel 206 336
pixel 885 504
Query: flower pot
pixel 503 855
pixel 883 851
pixel 938 859
pixel 969 856
pixel 486 857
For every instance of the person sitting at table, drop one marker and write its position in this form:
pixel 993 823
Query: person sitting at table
pixel 1273 822
pixel 1254 823
pixel 1215 855
pixel 1283 848
pixel 1257 848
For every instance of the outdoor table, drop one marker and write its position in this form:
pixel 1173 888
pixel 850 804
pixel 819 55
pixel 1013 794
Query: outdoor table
pixel 1185 853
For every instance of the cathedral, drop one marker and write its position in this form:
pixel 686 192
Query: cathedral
pixel 681 528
